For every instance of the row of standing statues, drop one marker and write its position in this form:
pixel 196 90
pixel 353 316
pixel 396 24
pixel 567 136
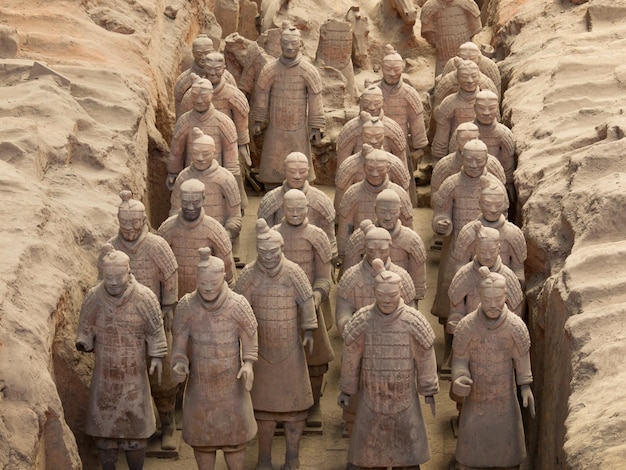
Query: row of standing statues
pixel 251 348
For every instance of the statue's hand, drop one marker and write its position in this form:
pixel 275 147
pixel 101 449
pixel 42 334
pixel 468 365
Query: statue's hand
pixel 256 130
pixel 443 226
pixel 82 347
pixel 244 154
pixel 528 399
pixel 308 340
pixel 247 373
pixel 316 137
pixel 343 400
pixel 170 180
pixel 180 372
pixel 317 298
pixel 168 317
pixel 156 364
pixel 462 386
pixel 430 400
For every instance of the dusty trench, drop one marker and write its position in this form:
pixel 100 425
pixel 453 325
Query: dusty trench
pixel 38 407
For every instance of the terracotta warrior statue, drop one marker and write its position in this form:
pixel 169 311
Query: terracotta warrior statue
pixel 216 345
pixel 407 248
pixel 191 229
pixel 456 108
pixel 464 291
pixel 212 122
pixel 448 84
pixel 351 170
pixel 221 196
pixel 288 98
pixel 471 51
pixel 451 163
pixel 494 203
pixel 282 300
pixel 356 290
pixel 321 210
pixel 350 138
pixel 499 138
pixel 389 357
pixel 454 205
pixel 154 265
pixel 200 47
pixel 360 198
pixel 228 99
pixel 446 24
pixel 308 247
pixel 491 356
pixel 121 323
pixel 402 103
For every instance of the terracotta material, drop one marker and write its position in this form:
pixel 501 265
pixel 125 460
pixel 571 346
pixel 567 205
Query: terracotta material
pixel 215 345
pixel 350 138
pixel 221 194
pixel 248 57
pixel 282 300
pixel 288 98
pixel 456 108
pixel 493 204
pixel 448 84
pixel 454 205
pixel 360 199
pixel 154 265
pixel 360 31
pixel 446 24
pixel 200 47
pixel 351 170
pixel 321 210
pixel 471 51
pixel 121 323
pixel 389 357
pixel 405 10
pixel 308 247
pixel 491 355
pixel 191 229
pixel 213 123
pixel 334 49
pixel 451 163
pixel 464 291
pixel 402 103
pixel 407 248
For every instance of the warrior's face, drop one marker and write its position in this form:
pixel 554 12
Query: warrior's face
pixel 387 214
pixel 295 211
pixel 202 98
pixel 376 171
pixel 116 279
pixel 131 224
pixel 374 136
pixel 372 104
pixel 191 205
pixel 202 156
pixel 210 284
pixel 387 297
pixel 474 162
pixel 214 70
pixel 468 79
pixel 392 72
pixel 487 252
pixel 269 253
pixel 377 249
pixel 486 111
pixel 492 206
pixel 492 301
pixel 296 174
pixel 463 137
pixel 290 46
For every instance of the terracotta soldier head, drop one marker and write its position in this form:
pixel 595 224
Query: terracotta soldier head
pixel 202 150
pixel 200 47
pixel 191 199
pixel 269 245
pixel 295 207
pixel 469 51
pixel 372 100
pixel 486 107
pixel 492 293
pixel 296 170
pixel 393 65
pixel 493 200
pixel 211 273
pixel 465 132
pixel 372 129
pixel 290 42
pixel 115 270
pixel 376 166
pixel 387 209
pixel 377 242
pixel 214 66
pixel 201 94
pixel 131 215
pixel 487 245
pixel 474 158
pixel 387 290
pixel 467 75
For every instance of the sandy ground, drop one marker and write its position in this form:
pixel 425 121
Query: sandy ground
pixel 329 451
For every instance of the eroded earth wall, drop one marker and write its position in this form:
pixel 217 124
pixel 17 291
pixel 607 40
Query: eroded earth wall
pixel 68 145
pixel 565 100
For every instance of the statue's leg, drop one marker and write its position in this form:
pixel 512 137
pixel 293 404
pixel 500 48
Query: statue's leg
pixel 236 459
pixel 265 436
pixel 166 408
pixel 204 460
pixel 135 459
pixel 314 418
pixel 108 458
pixel 293 433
